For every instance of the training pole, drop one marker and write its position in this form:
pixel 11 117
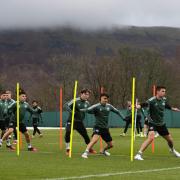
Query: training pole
pixel 72 122
pixel 100 140
pixel 60 119
pixel 132 128
pixel 17 106
pixel 153 144
pixel 20 141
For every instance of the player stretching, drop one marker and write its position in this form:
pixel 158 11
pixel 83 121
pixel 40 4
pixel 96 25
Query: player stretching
pixel 101 112
pixel 80 103
pixel 157 105
pixel 24 107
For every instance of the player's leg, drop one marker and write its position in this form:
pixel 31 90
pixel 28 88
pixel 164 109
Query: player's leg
pixel 67 137
pixel 6 136
pixel 146 127
pixel 83 132
pixel 163 131
pixel 106 136
pixel 23 129
pixel 146 143
pixel 139 125
pixel 93 141
pixel 128 122
pixel 38 131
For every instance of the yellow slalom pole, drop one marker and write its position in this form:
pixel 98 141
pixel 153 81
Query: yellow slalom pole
pixel 17 105
pixel 132 128
pixel 72 122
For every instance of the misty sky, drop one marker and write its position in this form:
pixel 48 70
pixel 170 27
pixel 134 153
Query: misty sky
pixel 88 14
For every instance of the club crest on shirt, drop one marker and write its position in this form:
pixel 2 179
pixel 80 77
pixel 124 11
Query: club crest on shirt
pixel 108 108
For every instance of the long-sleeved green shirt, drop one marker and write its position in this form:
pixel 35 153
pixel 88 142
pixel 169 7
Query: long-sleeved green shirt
pixel 24 107
pixel 156 108
pixel 3 105
pixel 101 113
pixel 79 104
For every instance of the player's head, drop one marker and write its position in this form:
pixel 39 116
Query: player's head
pixel 160 91
pixel 104 98
pixel 22 95
pixel 8 94
pixel 128 103
pixel 85 93
pixel 34 103
pixel 3 94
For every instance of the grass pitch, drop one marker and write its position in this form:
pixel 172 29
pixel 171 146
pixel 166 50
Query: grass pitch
pixel 49 162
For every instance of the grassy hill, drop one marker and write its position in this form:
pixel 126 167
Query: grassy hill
pixel 35 58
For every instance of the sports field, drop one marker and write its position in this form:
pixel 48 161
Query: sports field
pixel 49 162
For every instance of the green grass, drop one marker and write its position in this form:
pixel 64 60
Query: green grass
pixel 51 162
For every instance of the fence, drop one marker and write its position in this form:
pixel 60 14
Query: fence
pixel 51 119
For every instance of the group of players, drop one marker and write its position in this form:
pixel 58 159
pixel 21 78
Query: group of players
pixel 8 120
pixel 154 120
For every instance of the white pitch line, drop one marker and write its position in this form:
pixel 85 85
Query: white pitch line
pixel 114 174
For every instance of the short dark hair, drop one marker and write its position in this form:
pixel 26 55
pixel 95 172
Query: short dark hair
pixel 2 92
pixel 8 92
pixel 104 94
pixel 158 88
pixel 34 101
pixel 21 91
pixel 85 90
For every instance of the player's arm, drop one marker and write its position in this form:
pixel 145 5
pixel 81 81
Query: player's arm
pixel 143 113
pixel 12 107
pixel 39 110
pixel 41 119
pixel 31 110
pixel 167 106
pixel 115 110
pixel 144 105
pixel 91 109
pixel 69 106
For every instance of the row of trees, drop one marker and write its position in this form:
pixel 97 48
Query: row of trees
pixel 114 74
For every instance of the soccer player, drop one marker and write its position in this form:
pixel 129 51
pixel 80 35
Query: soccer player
pixel 157 105
pixel 3 116
pixel 36 117
pixel 24 107
pixel 2 112
pixel 128 120
pixel 10 113
pixel 101 112
pixel 80 103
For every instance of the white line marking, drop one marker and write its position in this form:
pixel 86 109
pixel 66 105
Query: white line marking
pixel 114 174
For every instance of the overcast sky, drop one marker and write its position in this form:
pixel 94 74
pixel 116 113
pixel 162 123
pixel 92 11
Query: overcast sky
pixel 88 14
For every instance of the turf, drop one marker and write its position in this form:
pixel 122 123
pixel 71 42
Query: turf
pixel 50 162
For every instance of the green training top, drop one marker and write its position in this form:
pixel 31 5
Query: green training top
pixel 79 104
pixel 38 113
pixel 156 109
pixel 139 112
pixel 24 107
pixel 101 113
pixel 9 114
pixel 3 109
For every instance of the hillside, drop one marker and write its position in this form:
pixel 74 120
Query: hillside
pixel 43 58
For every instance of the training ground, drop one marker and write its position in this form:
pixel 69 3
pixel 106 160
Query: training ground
pixel 49 162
